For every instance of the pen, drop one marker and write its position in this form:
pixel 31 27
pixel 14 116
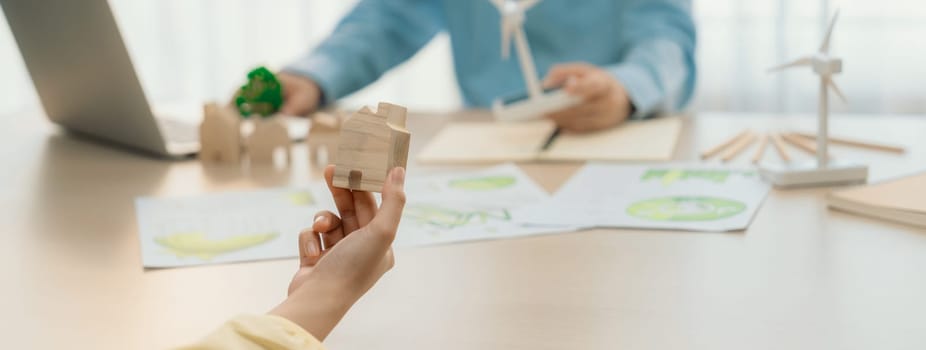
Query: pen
pixel 551 138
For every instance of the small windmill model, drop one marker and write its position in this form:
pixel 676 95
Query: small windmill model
pixel 823 171
pixel 537 102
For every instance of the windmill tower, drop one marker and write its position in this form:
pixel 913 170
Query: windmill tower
pixel 824 171
pixel 536 102
pixel 512 13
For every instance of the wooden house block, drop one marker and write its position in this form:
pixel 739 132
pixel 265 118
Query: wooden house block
pixel 323 136
pixel 269 135
pixel 220 135
pixel 370 145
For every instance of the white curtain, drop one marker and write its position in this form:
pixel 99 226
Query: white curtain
pixel 188 51
pixel 881 42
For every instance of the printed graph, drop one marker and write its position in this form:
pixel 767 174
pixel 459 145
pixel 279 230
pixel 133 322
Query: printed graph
pixel 198 245
pixel 672 176
pixel 440 217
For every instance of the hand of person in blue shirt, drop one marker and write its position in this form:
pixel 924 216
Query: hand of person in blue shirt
pixel 605 102
pixel 301 95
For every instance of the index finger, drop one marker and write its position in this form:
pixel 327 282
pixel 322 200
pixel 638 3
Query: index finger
pixel 560 72
pixel 344 201
pixel 589 86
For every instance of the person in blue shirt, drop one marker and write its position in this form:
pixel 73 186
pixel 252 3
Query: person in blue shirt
pixel 624 58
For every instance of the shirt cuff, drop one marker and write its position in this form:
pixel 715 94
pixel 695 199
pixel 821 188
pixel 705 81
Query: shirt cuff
pixel 324 71
pixel 258 332
pixel 644 92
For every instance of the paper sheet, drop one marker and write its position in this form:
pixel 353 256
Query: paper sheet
pixel 493 142
pixel 265 224
pixel 690 197
pixel 226 227
pixel 466 206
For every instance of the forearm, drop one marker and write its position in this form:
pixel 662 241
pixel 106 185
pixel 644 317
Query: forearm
pixel 374 37
pixel 316 307
pixel 657 77
pixel 657 64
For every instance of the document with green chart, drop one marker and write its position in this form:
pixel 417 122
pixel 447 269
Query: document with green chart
pixel 690 197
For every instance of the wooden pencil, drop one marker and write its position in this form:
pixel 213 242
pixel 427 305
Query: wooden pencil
pixel 720 147
pixel 763 143
pixel 739 147
pixel 801 143
pixel 855 143
pixel 780 147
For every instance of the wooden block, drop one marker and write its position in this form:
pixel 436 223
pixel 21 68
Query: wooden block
pixel 323 136
pixel 370 145
pixel 220 135
pixel 722 146
pixel 269 135
pixel 741 145
pixel 780 147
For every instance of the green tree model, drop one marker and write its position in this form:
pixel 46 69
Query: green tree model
pixel 261 95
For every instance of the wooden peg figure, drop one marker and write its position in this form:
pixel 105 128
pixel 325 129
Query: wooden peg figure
pixel 323 136
pixel 269 135
pixel 370 145
pixel 219 135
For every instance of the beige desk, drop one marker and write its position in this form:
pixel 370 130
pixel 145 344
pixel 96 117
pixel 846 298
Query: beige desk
pixel 801 277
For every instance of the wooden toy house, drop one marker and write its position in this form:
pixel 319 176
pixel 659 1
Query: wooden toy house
pixel 370 145
pixel 269 135
pixel 220 135
pixel 322 138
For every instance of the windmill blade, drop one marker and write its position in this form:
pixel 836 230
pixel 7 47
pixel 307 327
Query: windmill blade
pixel 825 47
pixel 527 4
pixel 506 37
pixel 832 85
pixel 500 5
pixel 803 61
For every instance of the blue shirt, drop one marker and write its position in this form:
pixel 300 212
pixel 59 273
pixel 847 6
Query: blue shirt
pixel 648 45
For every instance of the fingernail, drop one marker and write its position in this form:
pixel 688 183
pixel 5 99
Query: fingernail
pixel 312 248
pixel 319 219
pixel 398 176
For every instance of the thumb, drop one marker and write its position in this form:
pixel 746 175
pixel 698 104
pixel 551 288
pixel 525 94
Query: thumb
pixel 386 222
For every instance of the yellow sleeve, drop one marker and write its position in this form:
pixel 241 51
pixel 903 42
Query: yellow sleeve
pixel 258 332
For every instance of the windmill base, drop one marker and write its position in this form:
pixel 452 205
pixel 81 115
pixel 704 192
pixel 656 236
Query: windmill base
pixel 514 110
pixel 808 174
